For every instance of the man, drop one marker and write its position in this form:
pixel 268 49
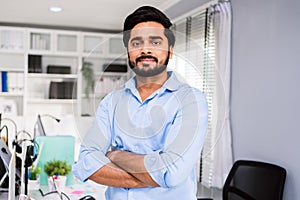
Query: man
pixel 147 137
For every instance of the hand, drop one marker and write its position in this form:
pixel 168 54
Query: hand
pixel 110 154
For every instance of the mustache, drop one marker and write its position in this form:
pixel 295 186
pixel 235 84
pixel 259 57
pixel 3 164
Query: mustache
pixel 146 57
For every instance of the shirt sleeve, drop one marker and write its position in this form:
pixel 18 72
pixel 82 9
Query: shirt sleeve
pixel 173 164
pixel 95 144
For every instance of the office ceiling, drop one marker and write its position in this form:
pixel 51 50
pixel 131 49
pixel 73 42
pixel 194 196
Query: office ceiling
pixel 90 14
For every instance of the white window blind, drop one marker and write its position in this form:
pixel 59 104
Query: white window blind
pixel 179 53
pixel 194 57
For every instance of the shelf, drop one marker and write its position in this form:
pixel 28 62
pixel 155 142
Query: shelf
pixel 91 95
pixel 40 40
pixel 52 76
pixel 104 56
pixel 93 55
pixel 12 69
pixel 12 40
pixel 52 101
pixel 93 44
pixel 53 54
pixel 12 51
pixel 111 74
pixel 9 94
pixel 54 47
pixel 66 42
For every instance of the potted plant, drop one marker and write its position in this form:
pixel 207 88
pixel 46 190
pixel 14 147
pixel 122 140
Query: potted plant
pixel 34 178
pixel 89 77
pixel 57 170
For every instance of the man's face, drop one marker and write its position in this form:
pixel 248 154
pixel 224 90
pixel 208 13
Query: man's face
pixel 148 49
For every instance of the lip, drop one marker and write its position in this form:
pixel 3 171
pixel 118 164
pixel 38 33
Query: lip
pixel 147 60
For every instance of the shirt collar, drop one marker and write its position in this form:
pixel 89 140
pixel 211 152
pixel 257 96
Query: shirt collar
pixel 171 84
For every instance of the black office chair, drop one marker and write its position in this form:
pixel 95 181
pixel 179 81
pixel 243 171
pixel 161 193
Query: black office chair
pixel 254 180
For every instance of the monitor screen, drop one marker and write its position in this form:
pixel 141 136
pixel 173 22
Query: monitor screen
pixel 40 126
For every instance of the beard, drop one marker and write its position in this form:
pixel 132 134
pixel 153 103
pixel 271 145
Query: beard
pixel 159 68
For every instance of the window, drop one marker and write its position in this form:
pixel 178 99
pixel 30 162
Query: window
pixel 202 57
pixel 194 61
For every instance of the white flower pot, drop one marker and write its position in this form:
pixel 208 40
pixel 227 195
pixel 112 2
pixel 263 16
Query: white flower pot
pixel 33 184
pixel 57 183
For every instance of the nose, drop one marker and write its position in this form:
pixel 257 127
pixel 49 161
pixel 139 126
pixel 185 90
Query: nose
pixel 146 49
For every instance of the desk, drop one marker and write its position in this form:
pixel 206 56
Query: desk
pixel 3 195
pixel 74 191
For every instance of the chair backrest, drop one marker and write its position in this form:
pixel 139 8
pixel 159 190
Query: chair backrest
pixel 254 180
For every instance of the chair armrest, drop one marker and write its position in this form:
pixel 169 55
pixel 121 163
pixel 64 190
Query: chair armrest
pixel 204 199
pixel 239 193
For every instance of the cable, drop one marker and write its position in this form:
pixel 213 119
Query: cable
pixel 13 122
pixel 25 196
pixel 17 142
pixel 4 190
pixel 6 128
pixel 23 131
pixel 87 197
pixel 51 116
pixel 61 194
pixel 52 192
pixel 29 157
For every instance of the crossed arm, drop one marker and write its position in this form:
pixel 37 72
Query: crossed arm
pixel 168 167
pixel 125 170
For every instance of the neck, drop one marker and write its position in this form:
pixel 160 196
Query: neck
pixel 159 79
pixel 147 85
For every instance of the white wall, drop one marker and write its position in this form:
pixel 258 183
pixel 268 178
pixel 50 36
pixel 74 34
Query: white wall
pixel 265 85
pixel 265 109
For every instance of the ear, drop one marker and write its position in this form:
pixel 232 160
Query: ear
pixel 170 52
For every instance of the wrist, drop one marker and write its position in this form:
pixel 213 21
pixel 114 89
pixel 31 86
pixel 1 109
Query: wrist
pixel 111 154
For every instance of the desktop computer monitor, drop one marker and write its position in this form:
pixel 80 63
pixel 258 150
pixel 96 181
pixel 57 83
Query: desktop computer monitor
pixel 5 157
pixel 40 126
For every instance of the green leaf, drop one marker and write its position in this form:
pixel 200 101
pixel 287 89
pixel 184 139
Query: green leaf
pixel 89 77
pixel 59 167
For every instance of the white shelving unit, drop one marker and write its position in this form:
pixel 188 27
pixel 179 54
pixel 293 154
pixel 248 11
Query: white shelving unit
pixel 59 48
pixel 101 50
pixel 12 56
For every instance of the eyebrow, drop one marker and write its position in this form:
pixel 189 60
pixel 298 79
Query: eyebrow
pixel 155 37
pixel 136 38
pixel 150 37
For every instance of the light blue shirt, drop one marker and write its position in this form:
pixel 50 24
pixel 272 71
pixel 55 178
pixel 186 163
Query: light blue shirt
pixel 168 128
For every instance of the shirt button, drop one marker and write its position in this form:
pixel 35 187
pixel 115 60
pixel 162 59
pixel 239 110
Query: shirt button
pixel 153 159
pixel 150 161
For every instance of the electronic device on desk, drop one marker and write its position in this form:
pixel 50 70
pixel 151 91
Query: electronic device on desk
pixel 34 63
pixel 5 162
pixel 58 69
pixel 40 126
pixel 62 90
pixel 87 197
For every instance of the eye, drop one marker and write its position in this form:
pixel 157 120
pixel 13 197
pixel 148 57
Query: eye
pixel 156 42
pixel 135 43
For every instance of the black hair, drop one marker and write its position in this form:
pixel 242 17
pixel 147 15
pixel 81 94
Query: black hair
pixel 147 14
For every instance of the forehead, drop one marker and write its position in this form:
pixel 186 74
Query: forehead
pixel 146 29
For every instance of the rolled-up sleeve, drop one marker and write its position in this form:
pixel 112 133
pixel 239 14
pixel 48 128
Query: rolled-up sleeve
pixel 173 164
pixel 94 145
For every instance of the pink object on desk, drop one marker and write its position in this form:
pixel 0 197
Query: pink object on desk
pixel 78 192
